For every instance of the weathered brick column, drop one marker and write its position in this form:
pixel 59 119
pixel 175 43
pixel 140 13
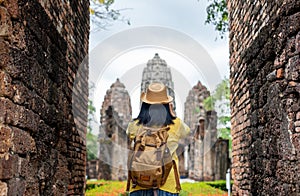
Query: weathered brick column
pixel 42 137
pixel 265 104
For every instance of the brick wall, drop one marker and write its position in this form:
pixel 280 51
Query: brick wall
pixel 265 104
pixel 42 136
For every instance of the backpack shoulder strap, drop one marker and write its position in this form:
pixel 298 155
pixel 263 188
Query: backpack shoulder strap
pixel 157 128
pixel 178 187
pixel 128 181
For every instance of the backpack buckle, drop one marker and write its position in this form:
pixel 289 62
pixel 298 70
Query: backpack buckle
pixel 148 133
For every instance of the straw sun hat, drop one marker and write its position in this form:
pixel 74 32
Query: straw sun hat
pixel 156 94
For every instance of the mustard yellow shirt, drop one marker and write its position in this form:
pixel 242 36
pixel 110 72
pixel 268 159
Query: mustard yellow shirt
pixel 177 131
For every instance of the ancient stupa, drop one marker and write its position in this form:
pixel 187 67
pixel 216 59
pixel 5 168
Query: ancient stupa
pixel 208 154
pixel 157 70
pixel 115 115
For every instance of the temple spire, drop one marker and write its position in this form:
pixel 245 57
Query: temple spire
pixel 157 70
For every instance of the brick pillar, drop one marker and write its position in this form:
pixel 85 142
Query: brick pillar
pixel 42 44
pixel 264 77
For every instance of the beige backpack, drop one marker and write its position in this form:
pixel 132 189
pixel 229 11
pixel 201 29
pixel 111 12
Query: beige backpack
pixel 150 161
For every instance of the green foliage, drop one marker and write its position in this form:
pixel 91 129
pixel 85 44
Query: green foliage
pixel 199 188
pixel 196 110
pixel 90 186
pixel 102 13
pixel 224 120
pixel 222 95
pixel 209 103
pixel 219 184
pixel 91 111
pixel 222 90
pixel 102 187
pixel 91 139
pixel 225 134
pixel 217 15
pixel 92 146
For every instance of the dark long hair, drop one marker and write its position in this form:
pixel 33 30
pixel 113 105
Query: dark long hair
pixel 155 115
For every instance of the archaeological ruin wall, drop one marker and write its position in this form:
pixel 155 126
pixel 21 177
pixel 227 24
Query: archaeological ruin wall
pixel 265 105
pixel 113 142
pixel 208 155
pixel 42 134
pixel 157 70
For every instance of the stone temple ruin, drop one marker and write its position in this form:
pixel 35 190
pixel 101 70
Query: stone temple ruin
pixel 115 115
pixel 158 71
pixel 208 156
pixel 42 131
pixel 202 156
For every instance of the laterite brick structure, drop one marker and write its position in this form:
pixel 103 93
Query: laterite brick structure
pixel 265 104
pixel 115 115
pixel 208 155
pixel 43 102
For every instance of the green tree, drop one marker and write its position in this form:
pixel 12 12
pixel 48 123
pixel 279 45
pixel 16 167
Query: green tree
pixel 221 93
pixel 91 139
pixel 217 15
pixel 91 112
pixel 103 15
pixel 220 99
pixel 91 145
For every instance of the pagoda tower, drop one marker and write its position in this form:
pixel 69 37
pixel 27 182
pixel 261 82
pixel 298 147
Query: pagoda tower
pixel 193 107
pixel 113 141
pixel 157 70
pixel 118 98
pixel 208 155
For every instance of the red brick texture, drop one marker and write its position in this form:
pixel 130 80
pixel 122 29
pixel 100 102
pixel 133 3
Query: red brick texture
pixel 265 104
pixel 43 45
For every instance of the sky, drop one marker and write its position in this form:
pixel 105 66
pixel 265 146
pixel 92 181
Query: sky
pixel 175 30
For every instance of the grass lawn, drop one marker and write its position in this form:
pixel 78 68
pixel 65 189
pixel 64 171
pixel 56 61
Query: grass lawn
pixel 117 188
pixel 105 188
pixel 200 189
